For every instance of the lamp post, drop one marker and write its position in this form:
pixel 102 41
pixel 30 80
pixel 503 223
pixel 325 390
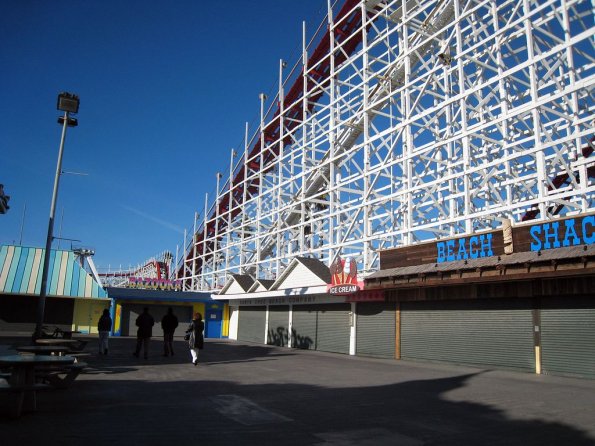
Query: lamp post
pixel 68 103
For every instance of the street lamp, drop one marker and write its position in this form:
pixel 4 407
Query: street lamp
pixel 68 103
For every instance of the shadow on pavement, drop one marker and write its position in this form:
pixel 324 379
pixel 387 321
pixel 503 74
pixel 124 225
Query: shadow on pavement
pixel 163 400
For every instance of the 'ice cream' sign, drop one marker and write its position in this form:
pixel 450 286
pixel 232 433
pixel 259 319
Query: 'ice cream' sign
pixel 344 277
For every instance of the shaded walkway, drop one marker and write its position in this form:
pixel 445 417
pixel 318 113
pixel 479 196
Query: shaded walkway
pixel 254 394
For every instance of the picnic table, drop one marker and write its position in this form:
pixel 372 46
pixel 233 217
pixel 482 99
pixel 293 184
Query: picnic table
pixel 67 334
pixel 58 332
pixel 72 344
pixel 43 349
pixel 22 377
pixel 55 341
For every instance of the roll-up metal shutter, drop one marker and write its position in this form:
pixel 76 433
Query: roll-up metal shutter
pixel 568 337
pixel 483 332
pixel 278 331
pixel 304 326
pixel 131 311
pixel 333 328
pixel 251 322
pixel 375 334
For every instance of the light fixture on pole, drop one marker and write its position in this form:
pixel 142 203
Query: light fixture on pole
pixel 68 103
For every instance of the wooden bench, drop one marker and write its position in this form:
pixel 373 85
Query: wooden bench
pixel 62 377
pixel 80 346
pixel 79 355
pixel 20 391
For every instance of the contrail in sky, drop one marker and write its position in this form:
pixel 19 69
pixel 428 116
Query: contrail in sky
pixel 154 219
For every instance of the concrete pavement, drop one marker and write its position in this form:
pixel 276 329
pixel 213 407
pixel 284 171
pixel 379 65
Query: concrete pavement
pixel 246 394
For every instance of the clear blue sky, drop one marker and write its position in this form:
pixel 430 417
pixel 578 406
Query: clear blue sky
pixel 165 90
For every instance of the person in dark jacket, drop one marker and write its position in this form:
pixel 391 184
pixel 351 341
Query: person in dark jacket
pixel 169 322
pixel 145 324
pixel 196 341
pixel 104 326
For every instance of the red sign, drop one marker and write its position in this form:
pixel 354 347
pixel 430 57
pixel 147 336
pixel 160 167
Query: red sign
pixel 367 296
pixel 344 277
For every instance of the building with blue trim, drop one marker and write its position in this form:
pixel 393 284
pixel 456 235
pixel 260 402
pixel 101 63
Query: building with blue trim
pixel 129 303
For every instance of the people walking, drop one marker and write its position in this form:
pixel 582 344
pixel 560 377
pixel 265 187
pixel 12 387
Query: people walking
pixel 196 340
pixel 169 322
pixel 104 326
pixel 145 324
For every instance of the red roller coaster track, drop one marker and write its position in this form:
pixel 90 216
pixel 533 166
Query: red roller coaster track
pixel 161 270
pixel 348 20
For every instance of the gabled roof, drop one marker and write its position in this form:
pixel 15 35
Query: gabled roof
pixel 21 271
pixel 261 285
pixel 237 283
pixel 313 272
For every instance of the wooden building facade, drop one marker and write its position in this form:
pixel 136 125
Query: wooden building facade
pixel 519 297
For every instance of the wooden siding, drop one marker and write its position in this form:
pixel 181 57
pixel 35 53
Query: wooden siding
pixel 300 277
pixel 427 252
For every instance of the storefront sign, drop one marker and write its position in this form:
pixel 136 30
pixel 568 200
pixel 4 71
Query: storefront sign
pixel 147 283
pixel 465 248
pixel 366 296
pixel 343 277
pixel 556 234
pixel 286 300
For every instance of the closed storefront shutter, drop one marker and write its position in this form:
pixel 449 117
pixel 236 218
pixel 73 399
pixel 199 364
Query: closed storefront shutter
pixel 477 332
pixel 375 334
pixel 304 326
pixel 278 331
pixel 568 337
pixel 322 327
pixel 333 328
pixel 131 311
pixel 251 322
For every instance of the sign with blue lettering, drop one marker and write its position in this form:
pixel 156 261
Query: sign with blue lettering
pixel 557 234
pixel 548 235
pixel 465 248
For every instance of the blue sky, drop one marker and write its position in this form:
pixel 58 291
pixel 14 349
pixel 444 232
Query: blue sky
pixel 165 90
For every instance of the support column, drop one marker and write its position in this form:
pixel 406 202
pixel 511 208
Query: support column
pixel 353 331
pixel 536 313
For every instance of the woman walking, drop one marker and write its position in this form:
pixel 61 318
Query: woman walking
pixel 196 340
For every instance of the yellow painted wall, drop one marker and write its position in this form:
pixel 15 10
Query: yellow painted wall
pixel 225 328
pixel 198 308
pixel 118 318
pixel 87 313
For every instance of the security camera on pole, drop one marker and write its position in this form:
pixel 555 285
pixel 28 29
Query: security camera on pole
pixel 68 103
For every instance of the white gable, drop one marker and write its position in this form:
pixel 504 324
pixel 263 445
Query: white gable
pixel 258 287
pixel 300 276
pixel 234 288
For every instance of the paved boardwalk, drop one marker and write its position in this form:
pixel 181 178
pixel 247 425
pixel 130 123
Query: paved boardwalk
pixel 245 394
